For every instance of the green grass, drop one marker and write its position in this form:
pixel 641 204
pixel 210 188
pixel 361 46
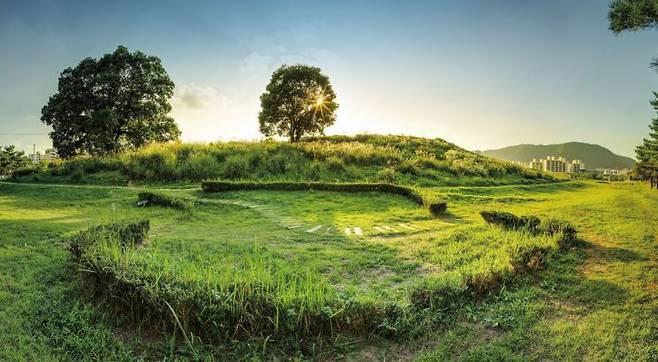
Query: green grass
pixel 363 158
pixel 593 302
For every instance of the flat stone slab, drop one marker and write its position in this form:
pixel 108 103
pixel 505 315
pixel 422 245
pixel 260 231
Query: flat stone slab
pixel 314 229
pixel 348 231
pixel 358 231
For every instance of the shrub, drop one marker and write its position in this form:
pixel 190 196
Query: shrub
pixel 155 198
pixel 200 166
pixel 235 167
pixel 277 164
pixel 408 167
pixel 386 175
pixel 502 218
pixel 525 258
pixel 24 171
pixel 438 208
pixel 568 233
pixel 125 233
pixel 335 164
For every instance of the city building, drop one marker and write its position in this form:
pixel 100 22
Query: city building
pixel 556 164
pixel 48 155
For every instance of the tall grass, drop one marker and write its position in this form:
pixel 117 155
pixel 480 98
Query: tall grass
pixel 365 158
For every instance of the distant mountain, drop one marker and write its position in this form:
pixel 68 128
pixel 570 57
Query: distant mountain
pixel 594 156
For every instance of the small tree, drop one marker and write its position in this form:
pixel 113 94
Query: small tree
pixel 647 153
pixel 636 15
pixel 11 159
pixel 103 106
pixel 298 101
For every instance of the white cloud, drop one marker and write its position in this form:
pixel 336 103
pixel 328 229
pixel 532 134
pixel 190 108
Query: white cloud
pixel 203 113
pixel 194 97
pixel 256 64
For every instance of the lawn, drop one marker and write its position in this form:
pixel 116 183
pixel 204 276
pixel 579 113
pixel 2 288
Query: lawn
pixel 597 301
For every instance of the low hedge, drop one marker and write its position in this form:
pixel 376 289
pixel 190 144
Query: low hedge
pixel 126 234
pixel 158 199
pixel 438 208
pixel 24 171
pixel 449 293
pixel 568 233
pixel 222 186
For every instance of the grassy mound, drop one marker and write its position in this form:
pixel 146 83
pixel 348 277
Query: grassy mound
pixel 364 158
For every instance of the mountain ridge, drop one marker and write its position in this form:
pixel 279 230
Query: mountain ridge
pixel 593 155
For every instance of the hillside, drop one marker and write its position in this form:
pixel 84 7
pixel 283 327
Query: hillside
pixel 594 156
pixel 363 158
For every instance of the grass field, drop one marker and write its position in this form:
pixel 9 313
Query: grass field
pixel 596 301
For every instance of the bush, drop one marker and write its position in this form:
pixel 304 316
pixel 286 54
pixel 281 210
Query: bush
pixel 200 166
pixel 502 218
pixel 568 233
pixel 125 233
pixel 335 164
pixel 24 171
pixel 438 208
pixel 386 175
pixel 235 167
pixel 525 258
pixel 158 199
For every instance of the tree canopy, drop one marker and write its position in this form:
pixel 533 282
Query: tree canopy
pixel 11 159
pixel 298 101
pixel 636 15
pixel 633 15
pixel 647 153
pixel 104 106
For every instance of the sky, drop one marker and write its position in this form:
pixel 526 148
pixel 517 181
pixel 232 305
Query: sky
pixel 479 73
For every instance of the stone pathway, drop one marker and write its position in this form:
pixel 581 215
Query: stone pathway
pixel 294 224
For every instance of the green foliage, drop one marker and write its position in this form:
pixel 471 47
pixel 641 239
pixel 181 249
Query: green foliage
pixel 298 101
pixel 117 102
pixel 25 171
pixel 566 232
pixel 632 15
pixel 11 159
pixel 125 234
pixel 438 208
pixel 160 199
pixel 647 152
pixel 386 175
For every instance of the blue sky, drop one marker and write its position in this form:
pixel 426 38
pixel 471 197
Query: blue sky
pixel 482 74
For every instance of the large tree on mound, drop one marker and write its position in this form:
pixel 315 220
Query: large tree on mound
pixel 636 15
pixel 298 101
pixel 104 106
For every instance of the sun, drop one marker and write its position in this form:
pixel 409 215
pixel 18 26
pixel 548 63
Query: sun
pixel 319 101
